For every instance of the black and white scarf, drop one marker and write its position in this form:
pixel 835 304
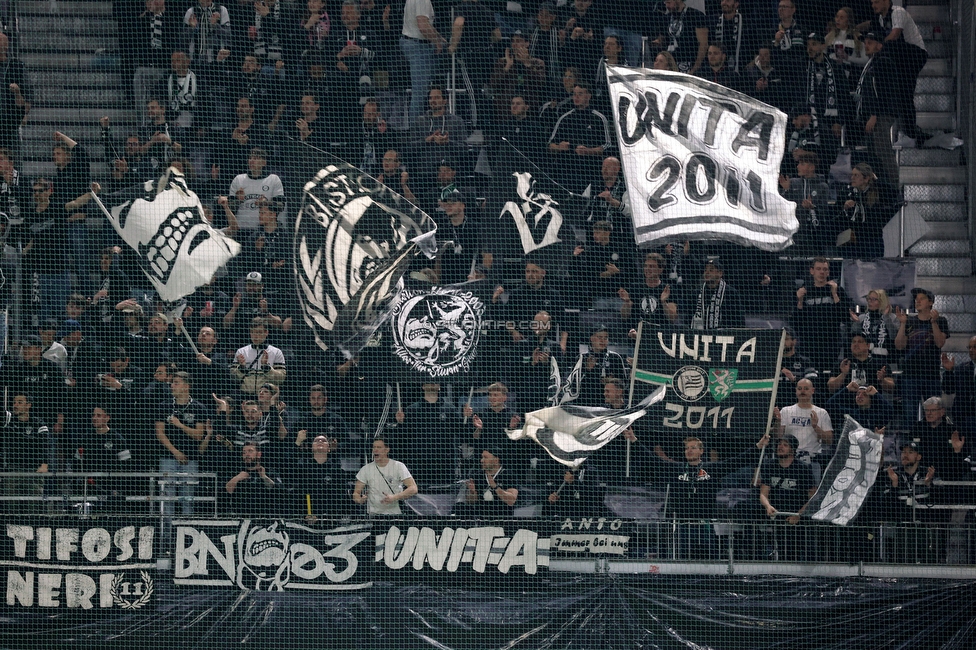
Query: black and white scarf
pixel 182 92
pixel 709 316
pixel 156 32
pixel 735 39
pixel 875 332
pixel 817 75
pixel 202 45
pixel 867 77
pixel 269 43
pixel 859 214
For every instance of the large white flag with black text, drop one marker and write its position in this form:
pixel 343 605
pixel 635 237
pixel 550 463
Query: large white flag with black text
pixel 701 161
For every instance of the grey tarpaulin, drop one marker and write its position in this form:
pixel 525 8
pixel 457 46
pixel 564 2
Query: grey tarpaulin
pixel 590 612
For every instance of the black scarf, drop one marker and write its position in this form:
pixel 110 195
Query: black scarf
pixel 735 38
pixel 876 332
pixel 814 84
pixel 709 316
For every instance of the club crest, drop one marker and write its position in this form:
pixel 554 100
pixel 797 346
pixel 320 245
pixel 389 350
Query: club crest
pixel 721 382
pixel 690 383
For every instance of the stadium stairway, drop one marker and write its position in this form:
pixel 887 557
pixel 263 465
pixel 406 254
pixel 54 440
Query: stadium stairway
pixel 933 181
pixel 70 49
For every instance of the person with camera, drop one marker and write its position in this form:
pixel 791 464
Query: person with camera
pixel 258 363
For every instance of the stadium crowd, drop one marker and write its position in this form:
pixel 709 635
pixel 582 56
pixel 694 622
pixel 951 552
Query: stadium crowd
pixel 102 380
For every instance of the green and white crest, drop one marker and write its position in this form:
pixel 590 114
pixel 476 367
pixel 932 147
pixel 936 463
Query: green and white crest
pixel 721 381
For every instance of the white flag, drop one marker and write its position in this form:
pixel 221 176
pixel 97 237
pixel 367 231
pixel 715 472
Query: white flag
pixel 701 161
pixel 178 249
pixel 571 433
pixel 849 476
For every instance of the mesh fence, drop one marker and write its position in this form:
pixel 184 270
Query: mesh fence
pixel 358 296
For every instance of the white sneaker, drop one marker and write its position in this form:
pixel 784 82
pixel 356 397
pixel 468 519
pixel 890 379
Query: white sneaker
pixel 904 142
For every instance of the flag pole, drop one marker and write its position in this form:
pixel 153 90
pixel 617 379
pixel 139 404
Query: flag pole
pixel 189 340
pixel 470 395
pixel 627 464
pixel 633 367
pixel 772 406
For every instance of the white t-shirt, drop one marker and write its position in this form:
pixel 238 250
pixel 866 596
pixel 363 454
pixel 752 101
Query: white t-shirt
pixel 276 358
pixel 381 481
pixel 799 423
pixel 269 187
pixel 411 10
pixel 901 19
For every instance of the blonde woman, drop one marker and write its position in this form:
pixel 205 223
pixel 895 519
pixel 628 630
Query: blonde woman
pixel 844 41
pixel 877 324
pixel 665 61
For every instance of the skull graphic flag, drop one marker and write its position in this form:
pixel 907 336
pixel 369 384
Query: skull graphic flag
pixel 178 249
pixel 436 331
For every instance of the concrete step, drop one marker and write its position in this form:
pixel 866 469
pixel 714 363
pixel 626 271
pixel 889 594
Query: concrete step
pixel 66 61
pixel 950 303
pixel 936 121
pixel 39 149
pixel 58 42
pixel 946 266
pixel 949 286
pixel 941 212
pixel 933 102
pixel 932 175
pixel 86 116
pixel 59 79
pixel 937 14
pixel 937 68
pixel 35 169
pixel 957 345
pixel 961 322
pixel 934 84
pixel 940 247
pixel 54 96
pixel 920 192
pixel 930 157
pixel 88 134
pixel 951 230
pixel 97 24
pixel 943 49
pixel 61 8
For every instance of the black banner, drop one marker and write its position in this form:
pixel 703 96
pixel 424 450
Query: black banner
pixel 720 383
pixel 508 547
pixel 271 555
pixel 86 567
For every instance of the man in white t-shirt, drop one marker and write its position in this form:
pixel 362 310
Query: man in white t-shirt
pixel 248 188
pixel 810 424
pixel 903 42
pixel 382 484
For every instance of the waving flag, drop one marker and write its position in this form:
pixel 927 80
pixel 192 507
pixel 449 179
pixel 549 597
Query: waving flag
pixel 701 161
pixel 571 433
pixel 354 240
pixel 178 249
pixel 849 476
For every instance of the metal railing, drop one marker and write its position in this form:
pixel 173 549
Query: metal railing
pixel 81 494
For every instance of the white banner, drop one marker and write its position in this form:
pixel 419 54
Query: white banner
pixel 701 161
